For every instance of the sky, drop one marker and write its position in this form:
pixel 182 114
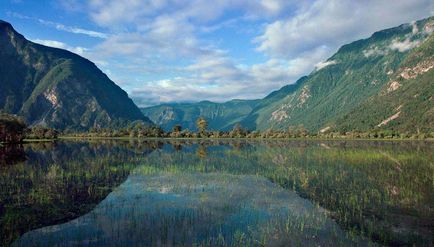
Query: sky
pixel 162 51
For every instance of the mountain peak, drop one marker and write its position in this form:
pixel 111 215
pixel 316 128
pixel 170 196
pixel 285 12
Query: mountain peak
pixel 4 24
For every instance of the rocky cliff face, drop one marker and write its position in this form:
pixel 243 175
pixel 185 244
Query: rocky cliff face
pixel 59 89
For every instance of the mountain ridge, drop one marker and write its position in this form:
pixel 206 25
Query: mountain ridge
pixel 57 88
pixel 220 116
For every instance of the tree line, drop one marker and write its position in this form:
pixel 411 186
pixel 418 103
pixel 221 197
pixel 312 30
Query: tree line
pixel 13 130
pixel 140 130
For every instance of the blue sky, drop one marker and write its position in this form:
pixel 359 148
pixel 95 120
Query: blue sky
pixel 191 50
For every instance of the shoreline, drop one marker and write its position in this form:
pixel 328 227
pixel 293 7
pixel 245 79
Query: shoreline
pixel 225 138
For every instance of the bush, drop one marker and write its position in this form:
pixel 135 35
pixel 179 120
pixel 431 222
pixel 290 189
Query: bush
pixel 39 132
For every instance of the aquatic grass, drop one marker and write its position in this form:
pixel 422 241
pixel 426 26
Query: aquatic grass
pixel 367 187
pixel 363 188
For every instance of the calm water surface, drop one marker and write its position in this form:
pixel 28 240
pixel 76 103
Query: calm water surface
pixel 217 193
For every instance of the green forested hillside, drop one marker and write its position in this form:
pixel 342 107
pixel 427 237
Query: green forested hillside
pixel 348 92
pixel 405 103
pixel 56 88
pixel 220 116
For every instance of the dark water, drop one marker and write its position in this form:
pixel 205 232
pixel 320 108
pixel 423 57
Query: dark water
pixel 217 193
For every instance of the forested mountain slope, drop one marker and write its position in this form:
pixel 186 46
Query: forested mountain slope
pixel 361 86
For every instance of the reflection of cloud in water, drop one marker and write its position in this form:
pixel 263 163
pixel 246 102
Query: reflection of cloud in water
pixel 210 209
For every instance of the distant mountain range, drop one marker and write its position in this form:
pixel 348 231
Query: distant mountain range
pixel 58 89
pixel 220 116
pixel 384 82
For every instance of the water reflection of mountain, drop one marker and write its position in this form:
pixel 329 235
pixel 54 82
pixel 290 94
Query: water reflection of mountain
pixel 198 210
pixel 60 181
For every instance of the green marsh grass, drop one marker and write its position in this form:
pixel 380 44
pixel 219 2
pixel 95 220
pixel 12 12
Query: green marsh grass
pixel 381 191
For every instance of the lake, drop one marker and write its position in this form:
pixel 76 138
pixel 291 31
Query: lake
pixel 217 193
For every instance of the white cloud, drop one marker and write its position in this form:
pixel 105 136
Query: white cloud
pixel 414 27
pixel 218 78
pixel 60 26
pixel 75 30
pixel 324 64
pixel 114 13
pixel 404 45
pixel 169 28
pixel 410 41
pixel 374 51
pixel 57 44
pixel 331 23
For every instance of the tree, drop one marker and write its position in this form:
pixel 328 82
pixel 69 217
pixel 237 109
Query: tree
pixel 201 124
pixel 302 131
pixel 12 129
pixel 133 133
pixel 51 134
pixel 156 132
pixel 177 128
pixel 176 131
pixel 238 131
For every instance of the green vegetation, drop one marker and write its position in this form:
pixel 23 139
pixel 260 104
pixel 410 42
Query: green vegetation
pixel 379 190
pixel 356 91
pixel 143 131
pixel 409 94
pixel 14 130
pixel 39 132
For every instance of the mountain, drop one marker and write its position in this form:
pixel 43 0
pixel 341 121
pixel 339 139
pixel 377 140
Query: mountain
pixel 56 88
pixel 382 82
pixel 220 116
